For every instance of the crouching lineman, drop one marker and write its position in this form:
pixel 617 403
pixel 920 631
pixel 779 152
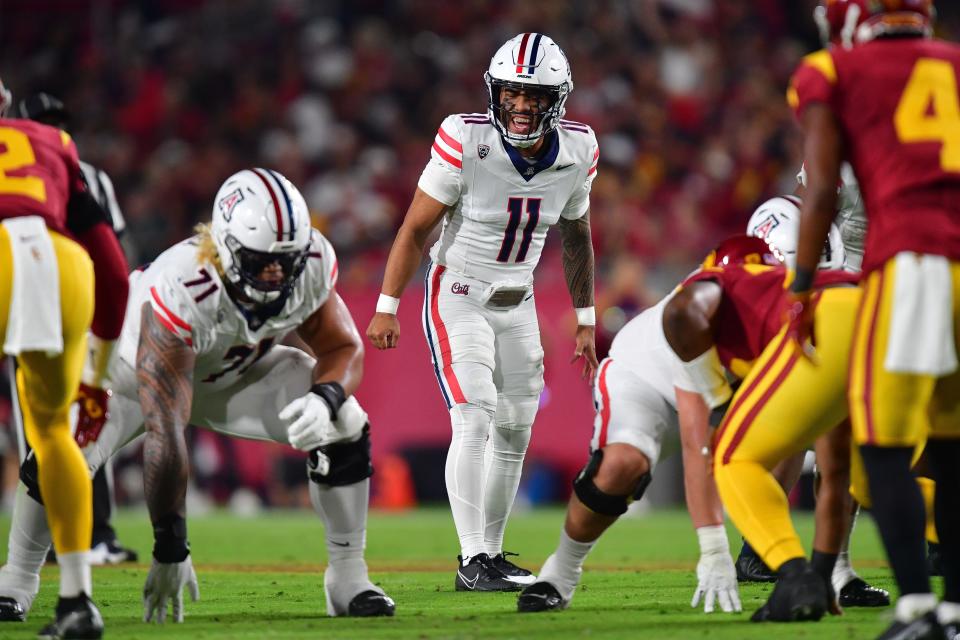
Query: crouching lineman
pixel 198 347
pixel 784 403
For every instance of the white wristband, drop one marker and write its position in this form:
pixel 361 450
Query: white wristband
pixel 713 539
pixel 387 304
pixel 586 316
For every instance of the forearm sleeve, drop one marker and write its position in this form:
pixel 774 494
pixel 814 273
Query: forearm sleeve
pixel 112 286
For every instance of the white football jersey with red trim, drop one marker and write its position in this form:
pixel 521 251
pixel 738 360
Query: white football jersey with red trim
pixel 189 299
pixel 501 204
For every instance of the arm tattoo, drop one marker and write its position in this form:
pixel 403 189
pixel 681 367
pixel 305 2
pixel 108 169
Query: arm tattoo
pixel 578 259
pixel 165 377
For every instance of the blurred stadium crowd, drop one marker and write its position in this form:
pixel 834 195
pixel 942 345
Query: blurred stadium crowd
pixel 345 96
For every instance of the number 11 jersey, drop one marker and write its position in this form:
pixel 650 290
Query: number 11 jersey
pixel 500 203
pixel 896 101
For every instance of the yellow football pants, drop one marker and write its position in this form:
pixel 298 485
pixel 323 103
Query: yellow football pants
pixel 897 409
pixel 47 386
pixel 783 405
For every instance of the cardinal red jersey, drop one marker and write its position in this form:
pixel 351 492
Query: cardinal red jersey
pixel 39 169
pixel 751 308
pixel 897 104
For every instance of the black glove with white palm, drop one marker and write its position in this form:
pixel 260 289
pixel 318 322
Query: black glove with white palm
pixel 716 574
pixel 172 570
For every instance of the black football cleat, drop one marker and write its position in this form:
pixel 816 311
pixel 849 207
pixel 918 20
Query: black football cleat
pixel 857 593
pixel 111 552
pixel 540 596
pixel 11 611
pixel 77 619
pixel 510 571
pixel 480 575
pixel 925 627
pixel 797 596
pixel 750 568
pixel 370 604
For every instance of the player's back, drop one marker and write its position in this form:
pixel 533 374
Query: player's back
pixel 897 101
pixel 39 170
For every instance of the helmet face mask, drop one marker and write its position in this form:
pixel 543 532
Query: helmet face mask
pixel 533 65
pixel 261 230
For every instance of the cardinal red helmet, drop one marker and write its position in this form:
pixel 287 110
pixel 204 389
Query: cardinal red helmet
pixel 850 22
pixel 744 249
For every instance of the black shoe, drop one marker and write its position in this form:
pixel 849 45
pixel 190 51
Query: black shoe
pixel 510 571
pixel 797 596
pixel 77 618
pixel 480 575
pixel 369 604
pixel 934 559
pixel 750 568
pixel 540 596
pixel 925 627
pixel 110 552
pixel 11 611
pixel 858 593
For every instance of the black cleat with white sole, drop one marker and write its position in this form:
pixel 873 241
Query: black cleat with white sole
pixel 925 627
pixel 11 611
pixel 800 594
pixel 510 571
pixel 77 619
pixel 857 593
pixel 479 574
pixel 540 596
pixel 370 604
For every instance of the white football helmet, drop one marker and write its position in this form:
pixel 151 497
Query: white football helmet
pixel 778 222
pixel 260 219
pixel 529 61
pixel 6 99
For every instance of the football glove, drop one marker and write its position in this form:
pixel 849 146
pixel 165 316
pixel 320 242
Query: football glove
pixel 716 575
pixel 93 413
pixel 166 582
pixel 309 423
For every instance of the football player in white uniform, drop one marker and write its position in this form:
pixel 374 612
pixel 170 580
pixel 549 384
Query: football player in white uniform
pixel 199 347
pixel 497 181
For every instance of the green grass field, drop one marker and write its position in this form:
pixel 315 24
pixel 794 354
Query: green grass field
pixel 262 578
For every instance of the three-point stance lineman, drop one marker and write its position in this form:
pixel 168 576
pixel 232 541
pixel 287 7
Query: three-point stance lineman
pixel 198 347
pixel 498 181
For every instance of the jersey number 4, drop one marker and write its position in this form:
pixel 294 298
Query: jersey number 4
pixel 929 110
pixel 515 208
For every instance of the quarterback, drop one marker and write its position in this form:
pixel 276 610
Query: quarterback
pixel 199 346
pixel 903 378
pixel 497 181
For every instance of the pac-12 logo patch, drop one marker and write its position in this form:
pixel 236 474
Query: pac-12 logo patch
pixel 769 223
pixel 229 202
pixel 483 150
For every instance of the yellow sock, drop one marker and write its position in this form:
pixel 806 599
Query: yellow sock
pixel 928 488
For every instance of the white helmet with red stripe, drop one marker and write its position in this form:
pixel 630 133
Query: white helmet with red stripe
pixel 528 62
pixel 778 222
pixel 260 223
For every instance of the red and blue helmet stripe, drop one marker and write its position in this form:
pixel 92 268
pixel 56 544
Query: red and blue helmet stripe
pixel 291 227
pixel 525 60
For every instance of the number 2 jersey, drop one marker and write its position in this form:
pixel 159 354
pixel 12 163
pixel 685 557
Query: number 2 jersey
pixel 896 101
pixel 188 297
pixel 501 205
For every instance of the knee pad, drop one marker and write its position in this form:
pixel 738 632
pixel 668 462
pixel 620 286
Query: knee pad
pixel 470 418
pixel 30 477
pixel 599 501
pixel 516 412
pixel 349 462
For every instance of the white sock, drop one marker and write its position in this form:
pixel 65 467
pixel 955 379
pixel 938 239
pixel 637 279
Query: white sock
pixel 948 612
pixel 912 606
pixel 843 573
pixel 564 568
pixel 464 475
pixel 74 574
pixel 27 549
pixel 503 479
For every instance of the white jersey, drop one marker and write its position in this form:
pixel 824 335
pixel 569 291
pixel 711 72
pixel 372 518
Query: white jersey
pixel 501 204
pixel 851 215
pixel 642 347
pixel 189 298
